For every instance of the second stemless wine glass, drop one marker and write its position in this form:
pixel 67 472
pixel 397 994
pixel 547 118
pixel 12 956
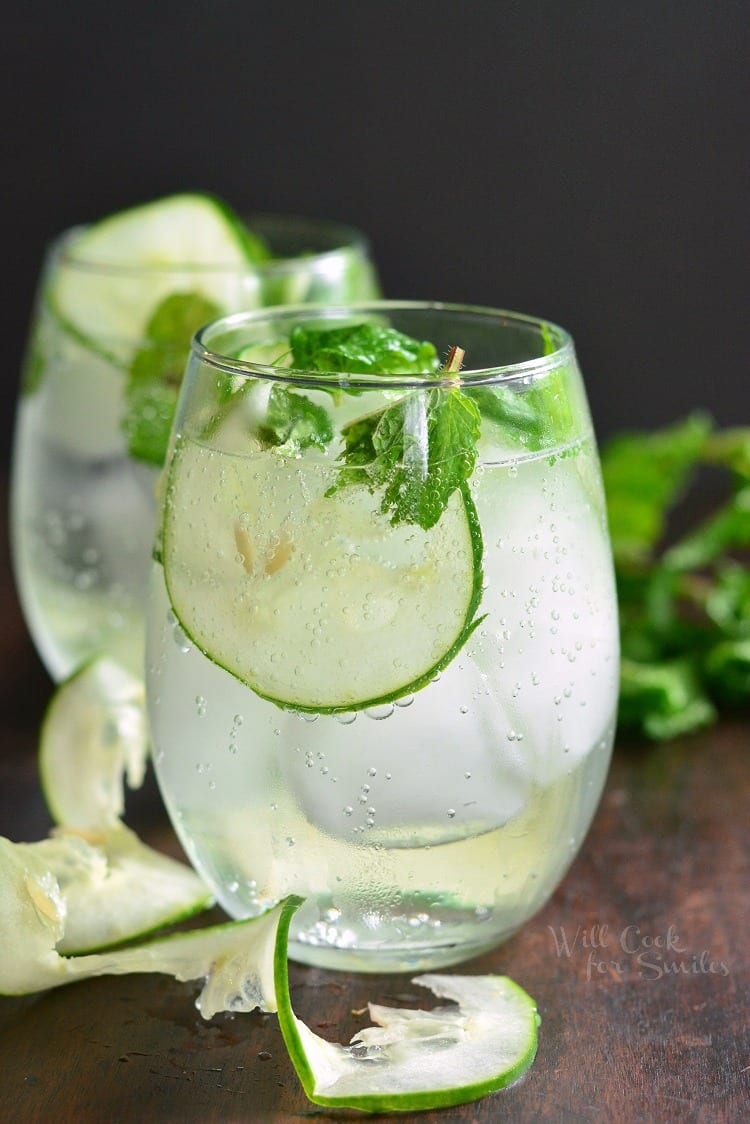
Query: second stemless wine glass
pixel 382 654
pixel 96 403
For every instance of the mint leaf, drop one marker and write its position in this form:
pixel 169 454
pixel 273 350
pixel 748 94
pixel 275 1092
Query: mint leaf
pixel 434 462
pixel 361 349
pixel 684 607
pixel 663 699
pixel 731 449
pixel 293 422
pixel 538 415
pixel 728 529
pixel 359 456
pixel 644 475
pixel 420 450
pixel 514 411
pixel 552 398
pixel 176 319
pixel 728 602
pixel 727 669
pixel 155 375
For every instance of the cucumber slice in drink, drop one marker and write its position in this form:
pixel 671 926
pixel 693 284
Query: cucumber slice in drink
pixel 94 731
pixel 310 597
pixel 413 1059
pixel 111 276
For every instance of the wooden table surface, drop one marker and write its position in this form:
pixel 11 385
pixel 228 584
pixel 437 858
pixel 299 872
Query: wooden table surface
pixel 639 965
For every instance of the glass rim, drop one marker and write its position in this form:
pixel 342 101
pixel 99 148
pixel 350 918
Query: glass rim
pixel 526 370
pixel 343 237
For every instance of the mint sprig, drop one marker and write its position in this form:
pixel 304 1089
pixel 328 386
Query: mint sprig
pixel 418 451
pixel 153 381
pixel 685 602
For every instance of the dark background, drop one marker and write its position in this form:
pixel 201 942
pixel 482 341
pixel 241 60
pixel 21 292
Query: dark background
pixel 585 162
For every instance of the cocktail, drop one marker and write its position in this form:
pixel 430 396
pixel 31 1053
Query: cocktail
pixel 382 651
pixel 117 305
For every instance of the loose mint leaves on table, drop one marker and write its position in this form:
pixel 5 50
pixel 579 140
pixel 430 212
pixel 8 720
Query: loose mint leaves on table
pixel 684 604
pixel 153 382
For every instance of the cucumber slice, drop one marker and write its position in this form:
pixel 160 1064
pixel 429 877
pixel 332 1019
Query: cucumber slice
pixel 93 733
pixel 413 1060
pixel 416 1060
pixel 110 277
pixel 314 600
pixel 236 960
pixel 114 887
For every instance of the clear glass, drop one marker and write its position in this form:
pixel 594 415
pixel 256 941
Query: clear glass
pixel 83 505
pixel 407 724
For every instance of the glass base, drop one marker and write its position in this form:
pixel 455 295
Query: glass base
pixel 413 941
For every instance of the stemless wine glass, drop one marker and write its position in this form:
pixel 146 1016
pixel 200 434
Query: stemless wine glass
pixel 95 408
pixel 382 647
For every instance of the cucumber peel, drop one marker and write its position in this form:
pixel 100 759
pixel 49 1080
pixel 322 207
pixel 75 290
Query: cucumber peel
pixel 109 886
pixel 414 1060
pixel 235 960
pixel 93 735
pixel 411 1060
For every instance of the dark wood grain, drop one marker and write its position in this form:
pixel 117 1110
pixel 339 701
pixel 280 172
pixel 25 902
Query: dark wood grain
pixel 630 1032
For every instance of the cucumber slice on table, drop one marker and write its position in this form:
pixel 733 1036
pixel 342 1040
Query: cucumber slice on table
pixel 311 597
pixel 113 274
pixel 114 887
pixel 236 960
pixel 412 1060
pixel 94 731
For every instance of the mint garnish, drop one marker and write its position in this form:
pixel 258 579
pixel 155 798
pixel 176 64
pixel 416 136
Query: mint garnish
pixel 514 412
pixel 156 371
pixel 293 422
pixel 535 416
pixel 419 450
pixel 361 349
